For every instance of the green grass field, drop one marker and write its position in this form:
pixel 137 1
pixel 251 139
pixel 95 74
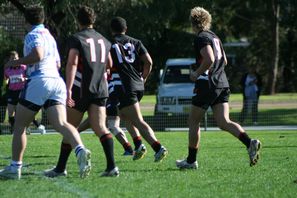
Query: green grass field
pixel 223 169
pixel 237 97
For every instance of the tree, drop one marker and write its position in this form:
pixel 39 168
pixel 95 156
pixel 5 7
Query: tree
pixel 163 26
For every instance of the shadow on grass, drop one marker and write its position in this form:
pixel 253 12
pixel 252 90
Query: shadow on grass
pixel 148 170
pixel 40 156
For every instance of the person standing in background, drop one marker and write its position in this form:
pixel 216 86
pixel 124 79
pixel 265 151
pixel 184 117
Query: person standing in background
pixel 251 83
pixel 16 79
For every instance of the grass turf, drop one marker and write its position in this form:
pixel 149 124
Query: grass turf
pixel 223 169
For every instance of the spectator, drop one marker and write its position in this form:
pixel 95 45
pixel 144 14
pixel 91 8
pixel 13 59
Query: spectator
pixel 251 83
pixel 15 79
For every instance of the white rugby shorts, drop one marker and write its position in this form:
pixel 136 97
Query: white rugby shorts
pixel 39 90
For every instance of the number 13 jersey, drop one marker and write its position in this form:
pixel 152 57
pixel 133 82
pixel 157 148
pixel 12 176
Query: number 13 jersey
pixel 126 52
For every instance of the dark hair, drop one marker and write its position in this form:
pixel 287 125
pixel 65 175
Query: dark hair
pixel 34 15
pixel 118 25
pixel 86 16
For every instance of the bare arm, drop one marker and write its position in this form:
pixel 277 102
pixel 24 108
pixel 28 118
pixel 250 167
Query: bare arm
pixel 207 61
pixel 147 65
pixel 35 56
pixel 58 65
pixel 109 62
pixel 225 58
pixel 71 68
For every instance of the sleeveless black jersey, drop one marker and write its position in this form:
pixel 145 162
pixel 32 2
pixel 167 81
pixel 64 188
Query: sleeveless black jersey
pixel 217 75
pixel 93 50
pixel 126 52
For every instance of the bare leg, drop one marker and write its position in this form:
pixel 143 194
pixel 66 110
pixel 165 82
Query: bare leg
pixel 84 125
pixel 221 115
pixel 133 131
pixel 113 123
pixel 133 114
pixel 11 109
pixel 60 124
pixel 23 118
pixel 97 119
pixel 195 117
pixel 11 113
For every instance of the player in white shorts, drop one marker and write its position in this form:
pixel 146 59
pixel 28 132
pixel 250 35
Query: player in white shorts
pixel 44 88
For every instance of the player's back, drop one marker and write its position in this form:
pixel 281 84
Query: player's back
pixel 126 52
pixel 47 66
pixel 93 56
pixel 216 71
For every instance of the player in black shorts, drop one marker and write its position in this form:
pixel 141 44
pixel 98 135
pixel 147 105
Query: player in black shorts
pixel 212 90
pixel 134 64
pixel 87 90
pixel 113 119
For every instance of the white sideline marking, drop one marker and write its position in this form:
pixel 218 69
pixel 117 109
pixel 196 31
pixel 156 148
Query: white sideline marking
pixel 248 128
pixel 63 183
pixel 60 182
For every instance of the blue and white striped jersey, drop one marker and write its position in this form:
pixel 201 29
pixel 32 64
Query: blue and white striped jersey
pixel 39 36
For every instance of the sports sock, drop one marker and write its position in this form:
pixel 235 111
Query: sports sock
pixel 192 153
pixel 78 148
pixel 245 139
pixel 16 164
pixel 137 142
pixel 107 144
pixel 156 146
pixel 65 151
pixel 127 146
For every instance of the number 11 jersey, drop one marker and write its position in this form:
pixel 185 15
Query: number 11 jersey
pixel 93 55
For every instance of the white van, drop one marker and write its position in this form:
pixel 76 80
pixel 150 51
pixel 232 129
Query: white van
pixel 175 90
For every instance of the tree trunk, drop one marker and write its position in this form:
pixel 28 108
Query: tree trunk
pixel 274 48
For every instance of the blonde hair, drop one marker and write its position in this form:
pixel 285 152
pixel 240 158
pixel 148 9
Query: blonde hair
pixel 200 18
pixel 13 53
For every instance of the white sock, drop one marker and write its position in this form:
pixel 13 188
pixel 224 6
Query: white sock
pixel 78 148
pixel 16 164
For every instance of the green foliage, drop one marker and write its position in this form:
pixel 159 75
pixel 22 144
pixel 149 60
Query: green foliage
pixel 164 28
pixel 223 169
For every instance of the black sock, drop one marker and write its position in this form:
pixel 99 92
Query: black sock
pixel 245 139
pixel 65 151
pixel 127 146
pixel 137 142
pixel 192 155
pixel 107 144
pixel 11 121
pixel 36 123
pixel 156 146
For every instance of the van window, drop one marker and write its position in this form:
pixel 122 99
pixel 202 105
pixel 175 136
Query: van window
pixel 177 74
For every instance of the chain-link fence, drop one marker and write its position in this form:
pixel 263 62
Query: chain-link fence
pixel 282 113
